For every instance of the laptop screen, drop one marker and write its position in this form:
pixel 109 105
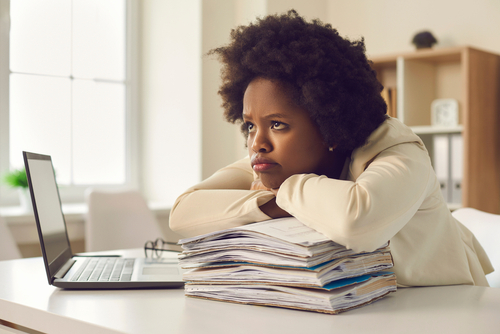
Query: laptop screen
pixel 48 207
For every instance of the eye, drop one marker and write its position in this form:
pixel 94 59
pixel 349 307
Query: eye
pixel 279 126
pixel 249 126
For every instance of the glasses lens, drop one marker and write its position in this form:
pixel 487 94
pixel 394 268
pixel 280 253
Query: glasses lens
pixel 148 249
pixel 159 247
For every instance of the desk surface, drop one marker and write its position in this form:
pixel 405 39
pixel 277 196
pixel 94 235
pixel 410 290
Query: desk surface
pixel 27 299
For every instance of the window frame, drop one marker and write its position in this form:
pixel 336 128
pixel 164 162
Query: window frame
pixel 76 193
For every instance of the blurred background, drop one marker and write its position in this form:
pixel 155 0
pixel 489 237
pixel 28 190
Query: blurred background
pixel 121 94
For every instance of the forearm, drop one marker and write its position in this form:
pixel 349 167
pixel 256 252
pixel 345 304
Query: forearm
pixel 361 214
pixel 222 201
pixel 204 211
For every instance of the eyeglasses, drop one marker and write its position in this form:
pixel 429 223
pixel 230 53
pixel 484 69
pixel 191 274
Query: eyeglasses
pixel 156 248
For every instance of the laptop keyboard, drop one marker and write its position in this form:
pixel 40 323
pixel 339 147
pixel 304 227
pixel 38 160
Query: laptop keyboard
pixel 104 269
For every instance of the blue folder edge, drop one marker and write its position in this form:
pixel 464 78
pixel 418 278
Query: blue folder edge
pixel 353 280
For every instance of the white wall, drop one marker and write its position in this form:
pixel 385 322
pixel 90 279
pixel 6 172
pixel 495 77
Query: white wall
pixel 218 18
pixel 309 9
pixel 223 142
pixel 179 85
pixel 170 103
pixel 388 26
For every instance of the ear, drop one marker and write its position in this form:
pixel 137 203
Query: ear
pixel 332 147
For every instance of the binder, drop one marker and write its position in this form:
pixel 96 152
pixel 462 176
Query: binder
pixel 456 168
pixel 393 94
pixel 441 163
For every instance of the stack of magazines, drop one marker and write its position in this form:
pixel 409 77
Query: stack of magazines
pixel 284 263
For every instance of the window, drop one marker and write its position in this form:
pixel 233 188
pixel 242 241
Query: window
pixel 70 90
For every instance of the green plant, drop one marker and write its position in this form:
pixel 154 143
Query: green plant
pixel 16 178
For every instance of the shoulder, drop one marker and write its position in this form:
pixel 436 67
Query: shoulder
pixel 391 136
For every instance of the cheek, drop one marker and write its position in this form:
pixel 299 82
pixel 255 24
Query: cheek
pixel 249 146
pixel 305 157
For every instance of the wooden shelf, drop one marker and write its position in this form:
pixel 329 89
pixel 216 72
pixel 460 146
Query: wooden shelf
pixel 472 77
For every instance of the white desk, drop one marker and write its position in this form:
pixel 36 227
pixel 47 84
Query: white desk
pixel 29 301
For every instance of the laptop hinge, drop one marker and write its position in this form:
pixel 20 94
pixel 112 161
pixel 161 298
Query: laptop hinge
pixel 64 269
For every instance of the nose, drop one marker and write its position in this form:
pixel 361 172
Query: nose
pixel 260 142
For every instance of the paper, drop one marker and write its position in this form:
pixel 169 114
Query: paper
pixel 285 242
pixel 282 262
pixel 316 276
pixel 345 295
pixel 286 229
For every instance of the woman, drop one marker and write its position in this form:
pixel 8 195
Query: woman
pixel 322 149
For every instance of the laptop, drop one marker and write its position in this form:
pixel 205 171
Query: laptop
pixel 67 270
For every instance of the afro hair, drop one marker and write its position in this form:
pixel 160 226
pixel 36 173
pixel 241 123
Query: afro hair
pixel 326 74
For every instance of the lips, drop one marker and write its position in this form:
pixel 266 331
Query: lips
pixel 260 164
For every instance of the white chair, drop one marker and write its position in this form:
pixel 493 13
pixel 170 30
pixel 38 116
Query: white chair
pixel 118 220
pixel 8 247
pixel 486 228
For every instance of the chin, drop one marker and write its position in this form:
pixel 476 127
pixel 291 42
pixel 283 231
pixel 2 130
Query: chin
pixel 271 184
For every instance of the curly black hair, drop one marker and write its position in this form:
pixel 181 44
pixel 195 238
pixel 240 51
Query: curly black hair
pixel 326 74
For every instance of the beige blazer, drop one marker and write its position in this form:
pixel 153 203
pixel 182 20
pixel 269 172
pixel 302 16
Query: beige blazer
pixel 387 191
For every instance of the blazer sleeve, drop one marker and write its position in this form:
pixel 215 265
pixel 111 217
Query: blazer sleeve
pixel 365 213
pixel 222 201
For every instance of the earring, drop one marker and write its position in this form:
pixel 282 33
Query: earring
pixel 330 149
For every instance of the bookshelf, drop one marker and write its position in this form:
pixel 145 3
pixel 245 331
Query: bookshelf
pixel 470 76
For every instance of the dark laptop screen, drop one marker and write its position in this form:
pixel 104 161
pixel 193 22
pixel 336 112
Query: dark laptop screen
pixel 48 207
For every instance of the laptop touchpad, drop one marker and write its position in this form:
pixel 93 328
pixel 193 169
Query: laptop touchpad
pixel 160 270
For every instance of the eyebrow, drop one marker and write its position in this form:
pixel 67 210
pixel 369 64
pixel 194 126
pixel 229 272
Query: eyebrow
pixel 277 115
pixel 270 116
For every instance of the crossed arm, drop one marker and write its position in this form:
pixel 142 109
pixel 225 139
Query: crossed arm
pixel 361 214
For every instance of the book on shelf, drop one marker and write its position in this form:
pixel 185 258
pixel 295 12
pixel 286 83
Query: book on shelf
pixel 457 161
pixel 448 165
pixel 442 163
pixel 284 263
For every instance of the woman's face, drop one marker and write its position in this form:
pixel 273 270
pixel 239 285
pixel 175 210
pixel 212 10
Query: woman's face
pixel 282 139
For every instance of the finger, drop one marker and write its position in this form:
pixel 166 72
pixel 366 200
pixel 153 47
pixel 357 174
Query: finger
pixel 257 185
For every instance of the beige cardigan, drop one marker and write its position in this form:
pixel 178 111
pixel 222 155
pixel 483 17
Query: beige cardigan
pixel 387 191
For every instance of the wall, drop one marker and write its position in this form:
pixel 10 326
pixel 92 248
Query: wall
pixel 310 9
pixel 170 102
pixel 218 18
pixel 388 26
pixel 223 142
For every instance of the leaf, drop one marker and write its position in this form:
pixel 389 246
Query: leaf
pixel 16 178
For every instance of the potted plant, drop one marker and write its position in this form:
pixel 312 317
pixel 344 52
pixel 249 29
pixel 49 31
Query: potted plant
pixel 424 40
pixel 17 179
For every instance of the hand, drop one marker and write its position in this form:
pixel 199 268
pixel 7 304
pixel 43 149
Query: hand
pixel 270 208
pixel 273 210
pixel 258 185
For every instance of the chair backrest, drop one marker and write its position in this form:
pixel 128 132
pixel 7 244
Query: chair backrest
pixel 486 228
pixel 8 246
pixel 118 220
